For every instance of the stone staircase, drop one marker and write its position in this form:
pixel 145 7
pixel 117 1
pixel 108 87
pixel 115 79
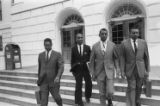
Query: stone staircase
pixel 18 88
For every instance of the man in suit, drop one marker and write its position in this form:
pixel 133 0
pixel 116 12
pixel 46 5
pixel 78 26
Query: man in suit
pixel 103 62
pixel 134 65
pixel 50 69
pixel 79 58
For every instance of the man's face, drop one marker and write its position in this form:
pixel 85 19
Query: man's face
pixel 48 45
pixel 79 39
pixel 103 35
pixel 134 34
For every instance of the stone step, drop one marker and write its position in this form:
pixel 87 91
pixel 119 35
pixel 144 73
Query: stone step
pixel 155 82
pixel 70 83
pixel 16 84
pixel 19 73
pixel 22 100
pixel 12 100
pixel 119 96
pixel 30 83
pixel 33 75
pixel 6 104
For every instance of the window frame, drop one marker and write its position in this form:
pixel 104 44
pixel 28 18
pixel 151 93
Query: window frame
pixel 1 43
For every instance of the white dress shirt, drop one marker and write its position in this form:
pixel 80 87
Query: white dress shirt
pixel 103 45
pixel 81 48
pixel 132 43
pixel 49 54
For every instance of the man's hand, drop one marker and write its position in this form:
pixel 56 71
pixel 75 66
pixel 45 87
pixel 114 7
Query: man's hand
pixel 57 80
pixel 38 88
pixel 118 73
pixel 122 75
pixel 146 75
pixel 93 77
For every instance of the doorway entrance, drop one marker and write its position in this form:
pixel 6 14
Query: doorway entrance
pixel 120 29
pixel 71 27
pixel 122 19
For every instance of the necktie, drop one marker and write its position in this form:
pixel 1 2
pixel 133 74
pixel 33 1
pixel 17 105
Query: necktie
pixel 104 48
pixel 135 46
pixel 47 56
pixel 80 49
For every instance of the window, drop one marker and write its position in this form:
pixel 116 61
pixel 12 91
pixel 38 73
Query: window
pixel 74 18
pixel 121 21
pixel 126 9
pixel 117 34
pixel 1 44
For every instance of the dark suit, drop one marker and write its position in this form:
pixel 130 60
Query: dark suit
pixel 135 66
pixel 80 71
pixel 47 72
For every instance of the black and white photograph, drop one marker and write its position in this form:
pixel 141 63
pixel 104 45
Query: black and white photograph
pixel 79 52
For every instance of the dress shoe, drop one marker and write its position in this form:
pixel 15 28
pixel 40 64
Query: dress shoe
pixel 87 100
pixel 110 102
pixel 81 104
pixel 138 104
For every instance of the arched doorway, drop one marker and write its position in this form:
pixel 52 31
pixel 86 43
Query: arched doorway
pixel 123 18
pixel 72 25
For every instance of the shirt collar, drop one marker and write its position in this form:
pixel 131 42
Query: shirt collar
pixel 105 42
pixel 49 51
pixel 133 40
pixel 79 45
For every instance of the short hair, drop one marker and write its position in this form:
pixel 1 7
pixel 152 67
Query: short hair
pixel 78 34
pixel 133 27
pixel 102 29
pixel 47 40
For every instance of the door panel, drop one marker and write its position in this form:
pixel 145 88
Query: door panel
pixel 66 46
pixel 68 41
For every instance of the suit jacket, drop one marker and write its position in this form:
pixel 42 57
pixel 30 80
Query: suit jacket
pixel 78 62
pixel 48 70
pixel 103 62
pixel 129 60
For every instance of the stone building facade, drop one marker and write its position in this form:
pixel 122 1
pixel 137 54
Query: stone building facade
pixel 28 22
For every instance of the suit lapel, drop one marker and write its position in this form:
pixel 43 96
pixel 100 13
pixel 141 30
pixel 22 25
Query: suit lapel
pixel 52 53
pixel 107 48
pixel 77 50
pixel 130 46
pixel 139 45
pixel 44 56
pixel 100 50
pixel 84 49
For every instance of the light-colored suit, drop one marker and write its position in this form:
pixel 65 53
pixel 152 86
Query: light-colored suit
pixel 102 66
pixel 135 66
